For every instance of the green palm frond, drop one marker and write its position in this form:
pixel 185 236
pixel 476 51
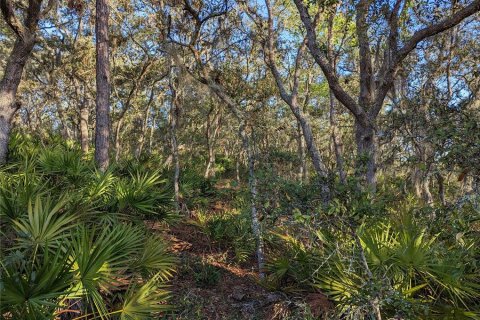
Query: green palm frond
pixel 143 193
pixel 16 190
pixel 31 290
pixel 46 224
pixel 100 187
pixel 63 164
pixel 145 301
pixel 377 243
pixel 155 258
pixel 101 259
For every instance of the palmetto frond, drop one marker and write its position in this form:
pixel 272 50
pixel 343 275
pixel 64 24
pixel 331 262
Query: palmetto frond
pixel 145 301
pixel 46 224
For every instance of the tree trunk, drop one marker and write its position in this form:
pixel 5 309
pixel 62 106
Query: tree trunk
pixel 84 113
pixel 65 130
pixel 8 89
pixel 176 162
pixel 337 141
pixel 141 138
pixel 366 153
pixel 174 112
pixel 319 166
pixel 237 170
pixel 302 168
pixel 441 188
pixel 426 190
pixel 252 183
pixel 212 134
pixel 118 146
pixel 102 129
pixel 210 170
pixel 417 182
pixel 152 130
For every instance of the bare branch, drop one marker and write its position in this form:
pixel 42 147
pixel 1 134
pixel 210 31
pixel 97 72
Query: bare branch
pixel 270 57
pixel 50 5
pixel 11 19
pixel 436 28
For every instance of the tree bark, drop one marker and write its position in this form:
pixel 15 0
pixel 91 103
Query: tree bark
pixel 174 113
pixel 84 114
pixel 152 131
pixel 213 127
pixel 8 89
pixel 102 128
pixel 366 153
pixel 441 188
pixel 252 183
pixel 141 138
pixel 426 190
pixel 302 167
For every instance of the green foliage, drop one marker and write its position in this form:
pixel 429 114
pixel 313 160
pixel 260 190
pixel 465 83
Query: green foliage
pixel 66 243
pixel 418 268
pixel 45 224
pixel 228 229
pixel 31 288
pixel 206 275
pixel 141 301
pixel 140 193
pixel 196 190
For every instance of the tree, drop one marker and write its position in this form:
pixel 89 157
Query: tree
pixel 102 129
pixel 292 100
pixel 25 38
pixel 204 73
pixel 375 81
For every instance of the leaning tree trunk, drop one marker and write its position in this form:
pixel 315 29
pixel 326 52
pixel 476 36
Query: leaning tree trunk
pixel 8 89
pixel 102 129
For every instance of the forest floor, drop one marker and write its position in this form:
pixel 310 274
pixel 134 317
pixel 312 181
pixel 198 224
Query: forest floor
pixel 210 285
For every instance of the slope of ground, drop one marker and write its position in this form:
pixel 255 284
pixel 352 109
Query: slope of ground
pixel 210 285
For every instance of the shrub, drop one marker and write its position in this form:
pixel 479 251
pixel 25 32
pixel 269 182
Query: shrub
pixel 69 240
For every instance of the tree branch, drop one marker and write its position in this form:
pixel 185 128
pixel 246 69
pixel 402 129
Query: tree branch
pixel 411 44
pixel 50 5
pixel 322 61
pixel 366 69
pixel 11 19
